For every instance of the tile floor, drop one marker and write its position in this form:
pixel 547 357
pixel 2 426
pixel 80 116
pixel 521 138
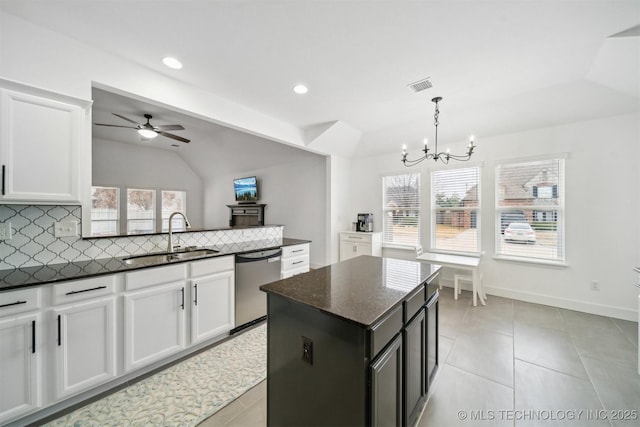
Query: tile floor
pixel 512 363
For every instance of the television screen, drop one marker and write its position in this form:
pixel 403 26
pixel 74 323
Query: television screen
pixel 246 189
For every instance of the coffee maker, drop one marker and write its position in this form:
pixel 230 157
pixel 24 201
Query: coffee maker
pixel 365 222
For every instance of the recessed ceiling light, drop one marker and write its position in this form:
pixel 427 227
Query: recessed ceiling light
pixel 172 62
pixel 300 89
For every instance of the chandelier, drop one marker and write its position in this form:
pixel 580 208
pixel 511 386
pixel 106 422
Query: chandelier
pixel 444 157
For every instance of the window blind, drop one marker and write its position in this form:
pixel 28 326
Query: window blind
pixel 455 210
pixel 530 210
pixel 401 209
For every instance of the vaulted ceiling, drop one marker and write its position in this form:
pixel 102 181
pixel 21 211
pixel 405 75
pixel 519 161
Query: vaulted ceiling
pixel 501 66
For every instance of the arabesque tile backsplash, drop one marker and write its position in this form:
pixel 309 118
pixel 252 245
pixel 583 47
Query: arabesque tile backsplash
pixel 33 242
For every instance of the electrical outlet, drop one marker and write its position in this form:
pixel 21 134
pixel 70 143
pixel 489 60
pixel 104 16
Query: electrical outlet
pixel 595 286
pixel 65 229
pixel 5 231
pixel 307 350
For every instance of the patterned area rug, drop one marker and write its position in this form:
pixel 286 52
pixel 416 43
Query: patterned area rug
pixel 183 394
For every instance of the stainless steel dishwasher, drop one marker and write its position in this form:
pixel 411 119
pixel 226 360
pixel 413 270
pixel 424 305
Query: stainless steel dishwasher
pixel 254 269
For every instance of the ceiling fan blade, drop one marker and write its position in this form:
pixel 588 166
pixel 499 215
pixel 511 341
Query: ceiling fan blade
pixel 125 118
pixel 169 127
pixel 114 126
pixel 172 136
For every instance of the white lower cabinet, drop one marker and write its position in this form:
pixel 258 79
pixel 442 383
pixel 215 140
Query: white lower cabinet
pixel 212 306
pixel 154 324
pixel 212 297
pixel 63 339
pixel 82 334
pixel 295 260
pixel 85 345
pixel 20 354
pixel 20 369
pixel 353 244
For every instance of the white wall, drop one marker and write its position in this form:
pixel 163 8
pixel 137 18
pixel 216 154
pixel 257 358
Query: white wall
pixel 602 211
pixel 294 194
pixel 136 166
pixel 338 192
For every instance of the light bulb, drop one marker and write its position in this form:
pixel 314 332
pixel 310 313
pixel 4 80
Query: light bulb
pixel 147 133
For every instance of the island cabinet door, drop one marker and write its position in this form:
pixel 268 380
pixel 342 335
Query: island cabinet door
pixel 431 358
pixel 414 336
pixel 386 386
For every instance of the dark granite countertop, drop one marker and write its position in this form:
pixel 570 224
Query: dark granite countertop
pixel 360 290
pixel 34 276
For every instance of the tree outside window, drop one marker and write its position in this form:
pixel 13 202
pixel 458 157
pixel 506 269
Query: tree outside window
pixel 173 201
pixel 140 211
pixel 104 211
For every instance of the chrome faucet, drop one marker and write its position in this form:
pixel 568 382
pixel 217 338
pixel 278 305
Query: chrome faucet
pixel 186 224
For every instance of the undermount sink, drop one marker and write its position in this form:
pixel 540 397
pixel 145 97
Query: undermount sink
pixel 154 259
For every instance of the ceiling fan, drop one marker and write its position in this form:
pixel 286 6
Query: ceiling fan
pixel 147 130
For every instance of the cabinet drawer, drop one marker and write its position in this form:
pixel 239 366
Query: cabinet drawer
pixel 210 266
pixel 383 331
pixel 77 290
pixel 19 301
pixel 356 237
pixel 155 276
pixel 295 263
pixel 414 303
pixel 294 251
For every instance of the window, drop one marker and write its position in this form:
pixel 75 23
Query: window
pixel 173 201
pixel 401 209
pixel 530 210
pixel 140 211
pixel 104 211
pixel 455 210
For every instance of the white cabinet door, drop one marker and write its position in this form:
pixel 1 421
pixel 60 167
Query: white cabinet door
pixel 40 148
pixel 212 306
pixel 20 368
pixel 349 249
pixel 154 325
pixel 85 346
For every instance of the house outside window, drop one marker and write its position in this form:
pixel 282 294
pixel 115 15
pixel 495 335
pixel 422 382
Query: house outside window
pixel 141 211
pixel 530 210
pixel 105 216
pixel 401 210
pixel 455 210
pixel 173 201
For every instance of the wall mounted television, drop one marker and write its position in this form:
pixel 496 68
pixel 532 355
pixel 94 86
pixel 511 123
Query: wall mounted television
pixel 246 189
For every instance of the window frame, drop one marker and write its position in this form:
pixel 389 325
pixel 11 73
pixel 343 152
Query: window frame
pixel 178 220
pixel 433 208
pixel 386 210
pixel 117 219
pixel 154 210
pixel 557 211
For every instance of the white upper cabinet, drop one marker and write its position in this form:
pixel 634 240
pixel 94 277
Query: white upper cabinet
pixel 44 140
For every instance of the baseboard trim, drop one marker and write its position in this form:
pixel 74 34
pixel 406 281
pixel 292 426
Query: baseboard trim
pixel 583 306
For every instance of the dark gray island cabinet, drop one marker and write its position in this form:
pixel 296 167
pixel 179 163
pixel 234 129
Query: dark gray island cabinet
pixel 352 344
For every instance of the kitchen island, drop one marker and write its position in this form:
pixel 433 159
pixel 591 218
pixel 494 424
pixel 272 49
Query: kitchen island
pixel 353 343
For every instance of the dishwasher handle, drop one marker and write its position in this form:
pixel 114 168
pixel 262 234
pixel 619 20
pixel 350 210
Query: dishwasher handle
pixel 269 255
